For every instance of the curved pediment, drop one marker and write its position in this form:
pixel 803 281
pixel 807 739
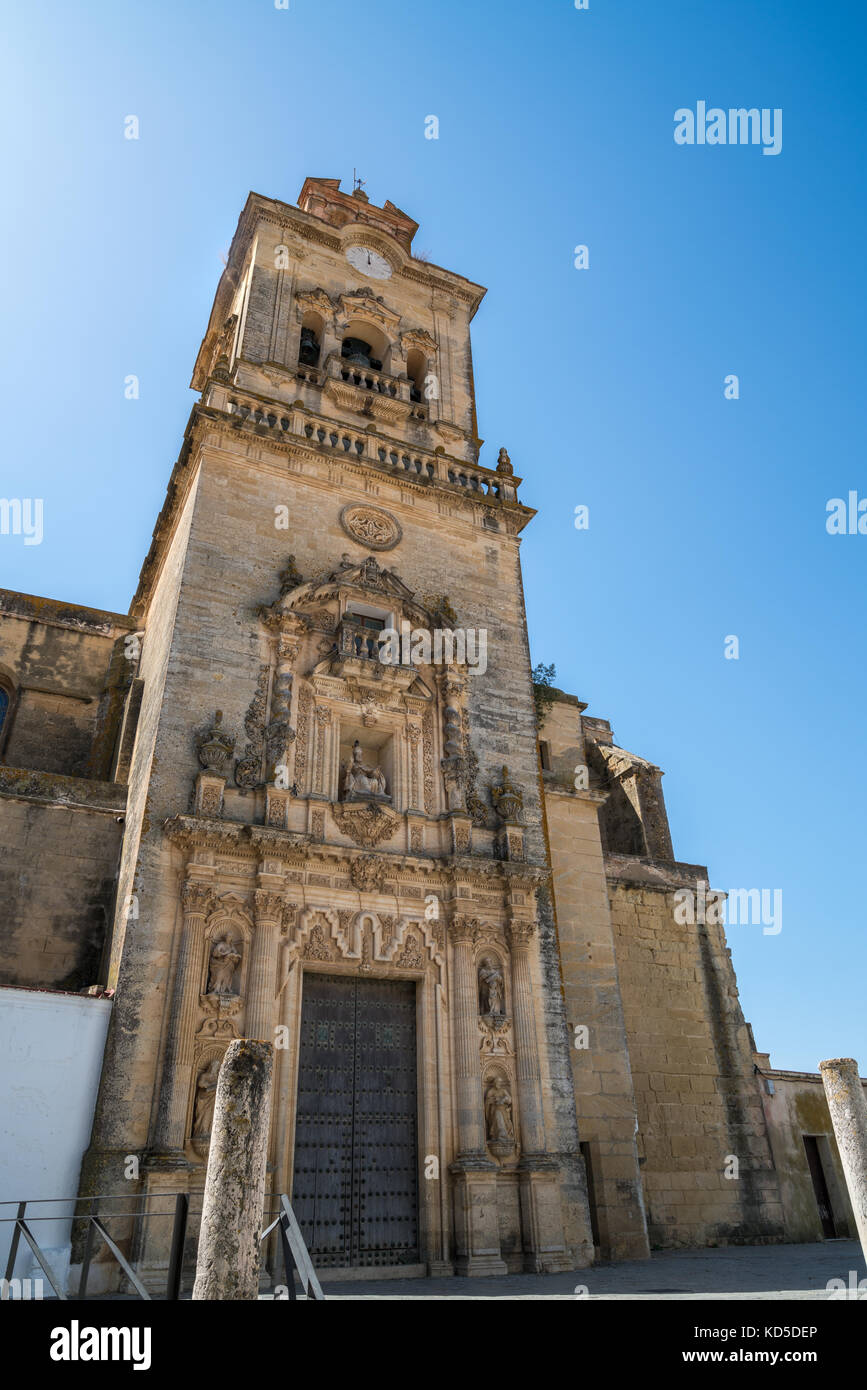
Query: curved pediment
pixel 364 579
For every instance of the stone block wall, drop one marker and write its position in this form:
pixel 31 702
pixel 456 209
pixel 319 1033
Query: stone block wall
pixel 59 660
pixel 601 1083
pixel 692 1068
pixel 61 818
pixel 796 1107
pixel 58 867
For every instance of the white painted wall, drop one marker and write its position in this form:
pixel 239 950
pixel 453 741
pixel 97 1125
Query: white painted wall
pixel 51 1047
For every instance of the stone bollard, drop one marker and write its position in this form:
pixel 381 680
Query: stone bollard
pixel 848 1107
pixel 228 1260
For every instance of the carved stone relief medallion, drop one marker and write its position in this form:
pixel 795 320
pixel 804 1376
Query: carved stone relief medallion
pixel 371 527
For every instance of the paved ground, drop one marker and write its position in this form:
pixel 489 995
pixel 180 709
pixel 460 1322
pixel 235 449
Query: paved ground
pixel 739 1272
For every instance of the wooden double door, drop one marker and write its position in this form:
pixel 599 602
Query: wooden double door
pixel 355 1184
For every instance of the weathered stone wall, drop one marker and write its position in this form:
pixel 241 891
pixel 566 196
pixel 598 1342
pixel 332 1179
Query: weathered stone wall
pixel 601 1089
pixel 797 1108
pixel 58 865
pixel 668 1042
pixel 140 953
pixel 692 1067
pixel 57 657
pixel 60 818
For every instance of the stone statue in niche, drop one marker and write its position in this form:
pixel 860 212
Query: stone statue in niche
pixel 361 779
pixel 498 1113
pixel 223 965
pixel 492 991
pixel 206 1095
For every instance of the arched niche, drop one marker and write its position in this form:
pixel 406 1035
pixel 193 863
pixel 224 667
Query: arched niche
pixel 364 345
pixel 492 982
pixel 500 1111
pixel 227 927
pixel 203 1092
pixel 311 338
pixel 416 370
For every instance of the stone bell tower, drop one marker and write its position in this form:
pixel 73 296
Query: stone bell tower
pixel 336 852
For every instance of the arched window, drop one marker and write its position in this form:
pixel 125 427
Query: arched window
pixel 365 346
pixel 311 340
pixel 416 367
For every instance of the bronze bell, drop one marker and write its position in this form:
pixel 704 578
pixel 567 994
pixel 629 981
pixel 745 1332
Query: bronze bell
pixel 309 351
pixel 356 351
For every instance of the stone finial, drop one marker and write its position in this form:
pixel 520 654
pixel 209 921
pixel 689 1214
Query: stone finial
pixel 215 747
pixel 441 610
pixel 290 578
pixel 504 463
pixel 508 800
pixel 223 349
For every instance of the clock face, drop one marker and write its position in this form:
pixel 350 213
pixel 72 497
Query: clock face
pixel 369 262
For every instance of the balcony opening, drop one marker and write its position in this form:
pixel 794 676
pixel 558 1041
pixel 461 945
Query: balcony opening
pixel 364 348
pixel 311 341
pixel 359 632
pixel 416 367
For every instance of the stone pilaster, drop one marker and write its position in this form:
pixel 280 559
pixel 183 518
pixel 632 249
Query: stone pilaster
pixel 453 689
pixel 542 1218
pixel 471 1134
pixel 262 976
pixel 477 1236
pixel 526 1047
pixel 280 734
pixel 321 761
pixel 196 899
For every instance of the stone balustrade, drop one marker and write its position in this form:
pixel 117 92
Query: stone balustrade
pixel 366 445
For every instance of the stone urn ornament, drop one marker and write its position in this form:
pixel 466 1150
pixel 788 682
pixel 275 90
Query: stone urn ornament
pixel 215 747
pixel 508 800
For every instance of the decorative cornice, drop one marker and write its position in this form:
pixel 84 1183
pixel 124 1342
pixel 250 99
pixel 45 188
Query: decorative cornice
pixel 109 797
pixel 369 305
pixel 194 832
pixel 279 843
pixel 421 339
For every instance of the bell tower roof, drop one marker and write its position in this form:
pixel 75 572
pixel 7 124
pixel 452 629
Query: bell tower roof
pixel 323 198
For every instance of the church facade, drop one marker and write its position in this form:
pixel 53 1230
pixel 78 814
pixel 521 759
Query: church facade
pixel 304 792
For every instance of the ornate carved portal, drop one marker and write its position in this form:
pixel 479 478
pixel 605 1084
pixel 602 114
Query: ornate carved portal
pixel 354 791
pixel 246 959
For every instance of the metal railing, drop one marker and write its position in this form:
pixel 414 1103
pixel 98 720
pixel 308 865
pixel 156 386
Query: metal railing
pixel 89 1215
pixel 94 1219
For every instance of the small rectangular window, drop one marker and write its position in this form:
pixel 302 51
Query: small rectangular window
pixel 365 620
pixel 545 755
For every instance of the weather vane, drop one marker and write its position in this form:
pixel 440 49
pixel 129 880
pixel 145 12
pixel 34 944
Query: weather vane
pixel 357 183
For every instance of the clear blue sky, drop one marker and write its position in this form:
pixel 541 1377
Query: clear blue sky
pixel 707 516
